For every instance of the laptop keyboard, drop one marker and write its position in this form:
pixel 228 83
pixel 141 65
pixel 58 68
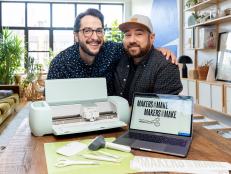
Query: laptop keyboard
pixel 158 139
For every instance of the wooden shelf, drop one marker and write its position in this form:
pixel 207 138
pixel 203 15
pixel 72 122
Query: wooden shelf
pixel 203 5
pixel 202 49
pixel 222 19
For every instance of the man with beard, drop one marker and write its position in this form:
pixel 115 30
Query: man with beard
pixel 143 68
pixel 89 56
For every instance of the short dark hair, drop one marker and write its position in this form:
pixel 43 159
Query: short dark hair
pixel 91 12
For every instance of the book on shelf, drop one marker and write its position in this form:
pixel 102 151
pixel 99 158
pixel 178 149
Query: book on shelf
pixel 204 37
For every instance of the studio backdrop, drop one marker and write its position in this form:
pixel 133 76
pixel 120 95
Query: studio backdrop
pixel 164 16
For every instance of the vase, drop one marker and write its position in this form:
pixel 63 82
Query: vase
pixel 193 74
pixel 202 72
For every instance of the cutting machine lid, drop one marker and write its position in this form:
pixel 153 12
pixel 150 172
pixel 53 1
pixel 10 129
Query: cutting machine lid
pixel 75 90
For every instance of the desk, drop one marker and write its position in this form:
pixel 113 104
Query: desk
pixel 25 153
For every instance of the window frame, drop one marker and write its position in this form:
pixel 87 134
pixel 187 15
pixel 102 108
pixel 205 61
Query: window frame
pixel 51 29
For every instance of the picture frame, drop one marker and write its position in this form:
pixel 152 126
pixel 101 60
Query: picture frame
pixel 223 65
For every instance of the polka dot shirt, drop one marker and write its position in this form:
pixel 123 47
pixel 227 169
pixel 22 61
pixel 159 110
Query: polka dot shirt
pixel 68 64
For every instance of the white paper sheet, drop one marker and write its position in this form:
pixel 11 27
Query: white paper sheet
pixel 71 148
pixel 147 164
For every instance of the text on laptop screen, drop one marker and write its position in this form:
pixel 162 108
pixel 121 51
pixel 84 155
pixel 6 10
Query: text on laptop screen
pixel 163 115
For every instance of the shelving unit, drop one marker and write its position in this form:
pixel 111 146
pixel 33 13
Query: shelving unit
pixel 203 5
pixel 214 95
pixel 216 21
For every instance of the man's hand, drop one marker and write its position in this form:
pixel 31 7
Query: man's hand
pixel 168 54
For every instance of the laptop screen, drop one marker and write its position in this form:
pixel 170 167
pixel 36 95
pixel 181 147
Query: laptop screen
pixel 168 114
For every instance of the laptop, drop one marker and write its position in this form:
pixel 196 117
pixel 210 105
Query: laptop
pixel 160 123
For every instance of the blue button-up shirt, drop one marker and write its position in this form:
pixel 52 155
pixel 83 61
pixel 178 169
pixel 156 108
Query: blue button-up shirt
pixel 68 64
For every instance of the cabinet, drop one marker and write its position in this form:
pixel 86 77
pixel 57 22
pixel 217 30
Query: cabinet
pixel 211 95
pixel 227 99
pixel 189 88
pixel 204 91
pixel 217 97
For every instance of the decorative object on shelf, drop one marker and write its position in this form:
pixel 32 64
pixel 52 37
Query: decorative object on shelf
pixel 203 70
pixel 193 74
pixel 211 74
pixel 213 13
pixel 184 60
pixel 192 20
pixel 190 3
pixel 223 66
pixel 206 37
pixel 227 11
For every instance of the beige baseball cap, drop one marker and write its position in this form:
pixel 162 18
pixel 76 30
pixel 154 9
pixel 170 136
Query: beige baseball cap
pixel 137 19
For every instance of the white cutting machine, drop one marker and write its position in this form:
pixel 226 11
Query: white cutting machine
pixel 75 106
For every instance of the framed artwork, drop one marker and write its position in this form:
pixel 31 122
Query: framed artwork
pixel 223 66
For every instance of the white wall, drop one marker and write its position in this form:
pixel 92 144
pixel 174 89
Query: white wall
pixel 143 7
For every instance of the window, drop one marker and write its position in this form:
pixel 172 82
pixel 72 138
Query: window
pixel 14 14
pixel 38 40
pixel 62 39
pixel 38 15
pixel 46 25
pixel 82 7
pixel 39 46
pixel 112 13
pixel 63 15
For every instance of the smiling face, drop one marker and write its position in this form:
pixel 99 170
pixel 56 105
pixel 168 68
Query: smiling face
pixel 89 43
pixel 137 40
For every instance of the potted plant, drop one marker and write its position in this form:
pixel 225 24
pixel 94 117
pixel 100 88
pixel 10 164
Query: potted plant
pixel 203 69
pixel 190 3
pixel 11 50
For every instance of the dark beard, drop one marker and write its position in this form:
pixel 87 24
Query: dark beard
pixel 143 51
pixel 86 50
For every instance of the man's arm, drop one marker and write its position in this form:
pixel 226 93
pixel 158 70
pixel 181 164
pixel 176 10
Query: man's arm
pixel 168 54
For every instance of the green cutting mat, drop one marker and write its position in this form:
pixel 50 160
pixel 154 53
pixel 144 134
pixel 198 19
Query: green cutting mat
pixel 103 168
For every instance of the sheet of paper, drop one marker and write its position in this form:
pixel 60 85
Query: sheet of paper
pixel 104 167
pixel 148 164
pixel 71 148
pixel 208 172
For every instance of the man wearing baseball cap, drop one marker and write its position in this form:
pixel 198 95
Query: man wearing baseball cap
pixel 144 68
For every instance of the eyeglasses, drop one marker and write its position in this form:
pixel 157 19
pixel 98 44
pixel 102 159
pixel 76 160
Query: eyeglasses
pixel 87 32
